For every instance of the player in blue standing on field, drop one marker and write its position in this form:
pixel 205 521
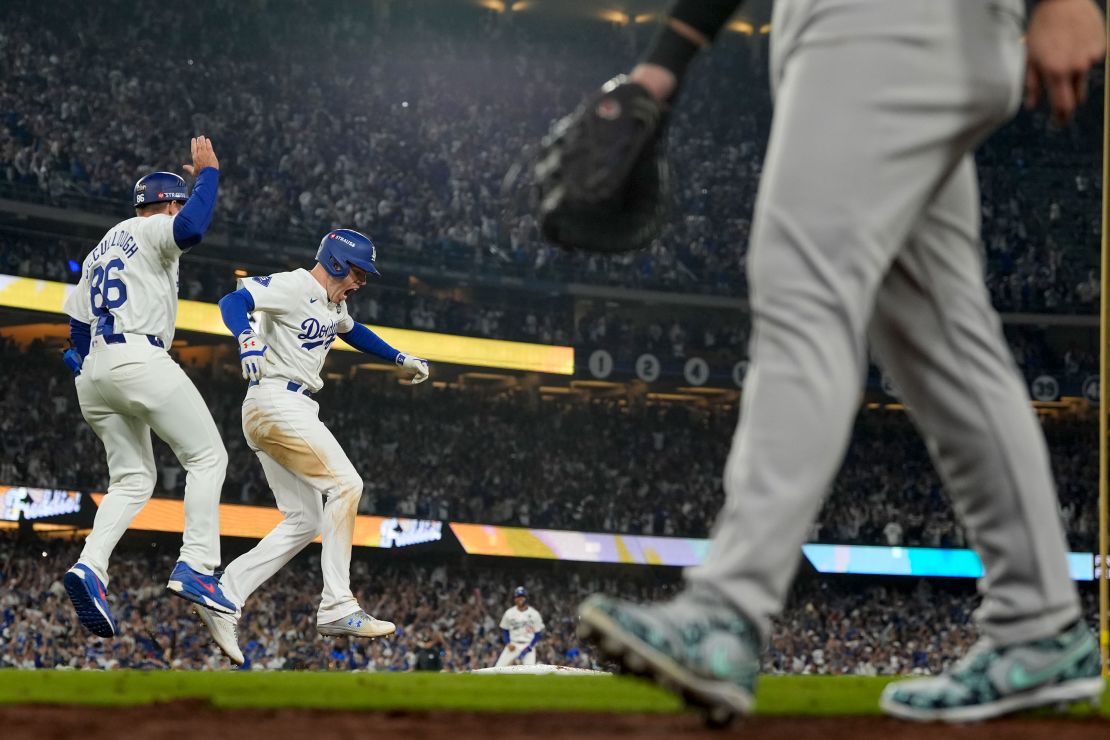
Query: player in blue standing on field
pixel 123 312
pixel 521 629
pixel 299 315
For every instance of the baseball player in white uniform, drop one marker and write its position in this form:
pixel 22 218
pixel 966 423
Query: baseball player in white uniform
pixel 122 313
pixel 299 314
pixel 866 231
pixel 521 627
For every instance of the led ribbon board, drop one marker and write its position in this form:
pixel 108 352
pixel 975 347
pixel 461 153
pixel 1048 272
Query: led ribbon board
pixel 48 296
pixel 255 522
pixel 36 503
pixel 486 539
pixel 236 520
pixel 553 544
pixel 918 561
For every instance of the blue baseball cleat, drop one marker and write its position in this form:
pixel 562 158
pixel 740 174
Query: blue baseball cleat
pixel 199 589
pixel 90 601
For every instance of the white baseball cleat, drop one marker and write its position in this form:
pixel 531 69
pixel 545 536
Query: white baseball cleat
pixel 225 633
pixel 357 624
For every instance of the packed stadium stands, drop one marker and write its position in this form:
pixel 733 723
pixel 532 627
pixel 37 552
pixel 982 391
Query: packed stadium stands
pixel 512 459
pixel 892 627
pixel 405 130
pixel 623 329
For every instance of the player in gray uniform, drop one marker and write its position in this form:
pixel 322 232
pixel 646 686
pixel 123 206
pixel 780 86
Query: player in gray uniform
pixel 866 230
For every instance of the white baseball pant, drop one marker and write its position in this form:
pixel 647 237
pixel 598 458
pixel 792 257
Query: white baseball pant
pixel 304 465
pixel 508 657
pixel 125 390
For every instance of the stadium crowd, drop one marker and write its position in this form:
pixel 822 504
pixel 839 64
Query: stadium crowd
pixel 624 330
pixel 407 127
pixel 516 315
pixel 513 458
pixel 447 617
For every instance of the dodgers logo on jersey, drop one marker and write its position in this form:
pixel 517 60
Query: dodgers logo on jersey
pixel 316 333
pixel 263 281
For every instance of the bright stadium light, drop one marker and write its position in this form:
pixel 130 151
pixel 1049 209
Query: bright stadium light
pixel 48 296
pixel 520 5
pixel 765 29
pixel 614 16
pixel 741 27
pixel 497 6
pixel 644 18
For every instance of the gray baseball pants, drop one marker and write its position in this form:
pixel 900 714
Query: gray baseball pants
pixel 867 231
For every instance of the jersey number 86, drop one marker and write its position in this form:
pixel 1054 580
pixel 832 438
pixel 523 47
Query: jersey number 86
pixel 107 292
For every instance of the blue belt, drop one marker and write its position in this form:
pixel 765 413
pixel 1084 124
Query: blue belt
pixel 121 339
pixel 290 386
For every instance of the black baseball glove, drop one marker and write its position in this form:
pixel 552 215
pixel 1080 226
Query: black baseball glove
pixel 602 172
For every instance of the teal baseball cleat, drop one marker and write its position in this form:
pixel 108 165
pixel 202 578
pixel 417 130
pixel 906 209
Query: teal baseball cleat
pixel 707 654
pixel 992 681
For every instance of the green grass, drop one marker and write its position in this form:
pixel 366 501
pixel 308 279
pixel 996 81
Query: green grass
pixel 778 695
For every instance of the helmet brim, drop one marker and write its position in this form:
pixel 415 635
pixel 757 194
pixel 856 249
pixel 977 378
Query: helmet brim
pixel 365 266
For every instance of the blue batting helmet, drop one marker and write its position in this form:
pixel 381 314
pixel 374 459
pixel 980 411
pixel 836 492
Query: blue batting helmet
pixel 342 248
pixel 159 187
pixel 520 591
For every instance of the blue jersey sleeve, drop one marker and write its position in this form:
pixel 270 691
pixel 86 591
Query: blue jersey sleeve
pixel 234 308
pixel 80 335
pixel 532 644
pixel 192 221
pixel 367 341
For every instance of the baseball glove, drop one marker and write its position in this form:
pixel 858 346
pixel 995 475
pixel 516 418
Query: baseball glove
pixel 602 172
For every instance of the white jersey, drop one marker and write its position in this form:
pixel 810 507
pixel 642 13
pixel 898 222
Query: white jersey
pixel 129 280
pixel 521 624
pixel 298 324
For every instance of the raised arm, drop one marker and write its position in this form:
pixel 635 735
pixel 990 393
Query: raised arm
pixel 192 221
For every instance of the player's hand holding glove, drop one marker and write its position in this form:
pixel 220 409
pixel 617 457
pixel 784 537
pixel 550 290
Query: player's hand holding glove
pixel 416 365
pixel 602 172
pixel 252 355
pixel 73 360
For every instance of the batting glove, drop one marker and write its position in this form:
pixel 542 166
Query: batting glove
pixel 416 365
pixel 73 360
pixel 252 355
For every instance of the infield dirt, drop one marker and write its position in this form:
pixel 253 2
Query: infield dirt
pixel 198 719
